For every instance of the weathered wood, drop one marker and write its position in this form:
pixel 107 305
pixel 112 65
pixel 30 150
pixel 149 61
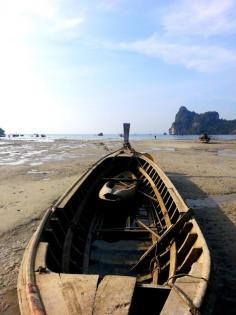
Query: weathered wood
pixel 64 293
pixel 44 292
pixel 27 300
pixel 114 295
pixel 148 229
pixel 40 260
pixel 118 179
pixel 147 195
pixel 184 296
pixel 126 229
pixel 173 260
pixel 167 235
pixel 158 196
pixel 144 278
pixel 67 294
pixel 186 246
pixel 152 286
pixel 92 228
pixel 192 256
pixel 79 292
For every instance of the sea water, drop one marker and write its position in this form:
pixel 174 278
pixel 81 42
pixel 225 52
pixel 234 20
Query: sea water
pixel 14 153
pixel 112 137
pixel 134 136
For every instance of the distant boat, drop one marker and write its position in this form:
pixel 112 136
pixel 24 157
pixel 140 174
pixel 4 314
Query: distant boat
pixel 144 254
pixel 164 133
pixel 204 138
pixel 100 134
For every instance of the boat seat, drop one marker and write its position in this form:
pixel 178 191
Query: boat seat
pixel 72 294
pixel 66 294
pixel 114 295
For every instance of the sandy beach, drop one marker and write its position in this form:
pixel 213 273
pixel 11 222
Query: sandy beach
pixel 33 174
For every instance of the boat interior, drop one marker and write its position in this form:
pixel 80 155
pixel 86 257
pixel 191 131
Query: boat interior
pixel 150 235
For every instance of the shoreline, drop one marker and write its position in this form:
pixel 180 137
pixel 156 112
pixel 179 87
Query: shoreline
pixel 202 173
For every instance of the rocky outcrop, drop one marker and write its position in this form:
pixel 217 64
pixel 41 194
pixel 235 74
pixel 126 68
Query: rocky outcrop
pixel 191 123
pixel 2 133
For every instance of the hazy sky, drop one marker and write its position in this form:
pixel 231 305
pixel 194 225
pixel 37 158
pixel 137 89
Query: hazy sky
pixel 70 66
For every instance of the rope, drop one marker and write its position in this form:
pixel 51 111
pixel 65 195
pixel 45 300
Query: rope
pixel 157 267
pixel 180 275
pixel 193 308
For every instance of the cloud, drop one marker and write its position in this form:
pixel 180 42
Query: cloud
pixel 201 18
pixel 66 24
pixel 206 58
pixel 185 34
pixel 20 19
pixel 109 4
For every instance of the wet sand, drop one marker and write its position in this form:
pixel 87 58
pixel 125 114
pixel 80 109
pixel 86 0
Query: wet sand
pixel 34 174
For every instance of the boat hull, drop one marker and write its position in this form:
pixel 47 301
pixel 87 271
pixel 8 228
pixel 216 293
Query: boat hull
pixel 93 257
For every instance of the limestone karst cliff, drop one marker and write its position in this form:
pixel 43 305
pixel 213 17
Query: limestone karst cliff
pixel 2 132
pixel 191 123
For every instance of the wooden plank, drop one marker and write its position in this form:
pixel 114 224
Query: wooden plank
pixel 144 278
pixel 191 257
pixel 155 270
pixel 152 286
pixel 187 294
pixel 26 298
pixel 79 292
pixel 92 228
pixel 50 292
pixel 148 229
pixel 118 179
pixel 173 260
pixel 40 260
pixel 114 295
pixel 166 237
pixel 158 196
pixel 186 246
pixel 67 294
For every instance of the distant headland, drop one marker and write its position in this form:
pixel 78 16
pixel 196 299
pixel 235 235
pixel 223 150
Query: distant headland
pixel 191 123
pixel 2 133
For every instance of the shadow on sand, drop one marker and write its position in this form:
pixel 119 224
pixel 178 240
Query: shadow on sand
pixel 220 234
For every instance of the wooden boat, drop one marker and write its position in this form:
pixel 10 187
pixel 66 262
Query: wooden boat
pixel 204 138
pixel 144 255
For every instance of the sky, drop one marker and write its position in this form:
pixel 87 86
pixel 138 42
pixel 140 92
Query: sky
pixel 71 66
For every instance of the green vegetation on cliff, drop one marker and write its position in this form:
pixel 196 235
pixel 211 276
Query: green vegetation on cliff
pixel 191 123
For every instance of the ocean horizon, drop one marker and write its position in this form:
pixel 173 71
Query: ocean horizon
pixel 112 137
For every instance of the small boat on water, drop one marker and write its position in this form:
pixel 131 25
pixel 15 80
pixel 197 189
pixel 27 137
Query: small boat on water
pixel 142 254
